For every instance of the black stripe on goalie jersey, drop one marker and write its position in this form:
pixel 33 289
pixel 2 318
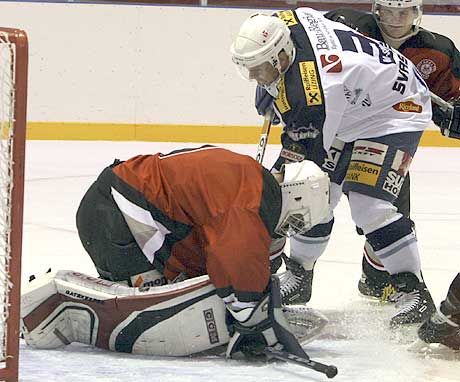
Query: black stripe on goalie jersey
pixel 270 202
pixel 179 231
pixel 144 321
pixel 183 151
pixel 241 296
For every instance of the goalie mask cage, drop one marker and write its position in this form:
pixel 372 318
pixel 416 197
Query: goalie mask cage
pixel 13 100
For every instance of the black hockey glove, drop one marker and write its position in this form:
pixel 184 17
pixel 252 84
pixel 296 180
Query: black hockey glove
pixel 254 329
pixel 448 120
pixel 264 103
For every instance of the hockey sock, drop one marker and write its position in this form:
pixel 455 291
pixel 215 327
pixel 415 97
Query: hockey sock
pixel 307 248
pixel 396 247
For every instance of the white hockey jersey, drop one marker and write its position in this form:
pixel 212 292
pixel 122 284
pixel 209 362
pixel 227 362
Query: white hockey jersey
pixel 347 85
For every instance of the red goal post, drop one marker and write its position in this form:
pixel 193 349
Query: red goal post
pixel 13 105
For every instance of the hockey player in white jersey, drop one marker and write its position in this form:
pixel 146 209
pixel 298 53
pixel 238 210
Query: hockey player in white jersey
pixel 357 108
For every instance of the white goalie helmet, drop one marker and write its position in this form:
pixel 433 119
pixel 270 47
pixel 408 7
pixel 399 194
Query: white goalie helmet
pixel 305 198
pixel 260 40
pixel 394 14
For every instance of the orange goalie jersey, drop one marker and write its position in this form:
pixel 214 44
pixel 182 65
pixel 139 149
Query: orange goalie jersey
pixel 199 211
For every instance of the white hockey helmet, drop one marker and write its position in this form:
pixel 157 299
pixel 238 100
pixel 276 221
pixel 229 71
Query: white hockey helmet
pixel 305 198
pixel 260 40
pixel 411 20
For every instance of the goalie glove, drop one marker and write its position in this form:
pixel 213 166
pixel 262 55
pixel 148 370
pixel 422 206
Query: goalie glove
pixel 254 329
pixel 448 119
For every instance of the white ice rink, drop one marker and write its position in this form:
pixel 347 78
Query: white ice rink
pixel 357 341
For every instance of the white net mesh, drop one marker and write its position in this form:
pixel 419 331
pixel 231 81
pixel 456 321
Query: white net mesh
pixel 7 57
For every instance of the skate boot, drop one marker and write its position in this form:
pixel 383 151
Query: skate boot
pixel 296 283
pixel 412 298
pixel 375 284
pixel 276 263
pixel 441 329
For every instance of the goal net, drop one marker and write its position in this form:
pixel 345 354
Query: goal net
pixel 13 100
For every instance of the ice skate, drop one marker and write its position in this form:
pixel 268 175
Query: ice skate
pixel 412 299
pixel 296 283
pixel 375 284
pixel 441 329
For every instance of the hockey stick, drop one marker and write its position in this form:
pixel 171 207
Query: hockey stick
pixel 444 105
pixel 330 370
pixel 263 140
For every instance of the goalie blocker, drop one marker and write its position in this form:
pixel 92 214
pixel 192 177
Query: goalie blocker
pixel 173 320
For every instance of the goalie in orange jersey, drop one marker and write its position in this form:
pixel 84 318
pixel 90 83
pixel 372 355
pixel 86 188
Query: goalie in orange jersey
pixel 156 219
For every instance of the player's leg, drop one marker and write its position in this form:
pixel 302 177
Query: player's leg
pixel 305 249
pixel 375 176
pixel 107 239
pixel 444 326
pixel 375 280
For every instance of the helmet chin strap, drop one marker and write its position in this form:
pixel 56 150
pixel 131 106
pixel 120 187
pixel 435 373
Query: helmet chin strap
pixel 272 89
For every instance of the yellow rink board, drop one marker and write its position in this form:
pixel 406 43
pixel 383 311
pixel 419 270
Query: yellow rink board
pixel 176 133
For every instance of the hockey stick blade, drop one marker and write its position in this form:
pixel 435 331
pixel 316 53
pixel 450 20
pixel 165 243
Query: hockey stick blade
pixel 330 370
pixel 263 140
pixel 444 105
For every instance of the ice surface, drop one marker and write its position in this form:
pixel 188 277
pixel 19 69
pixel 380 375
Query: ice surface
pixel 357 340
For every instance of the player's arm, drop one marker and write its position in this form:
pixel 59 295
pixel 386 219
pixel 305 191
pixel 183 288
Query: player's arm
pixel 447 86
pixel 447 117
pixel 238 265
pixel 343 16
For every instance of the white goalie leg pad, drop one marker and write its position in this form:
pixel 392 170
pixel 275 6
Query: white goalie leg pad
pixel 64 321
pixel 190 323
pixel 175 320
pixel 178 319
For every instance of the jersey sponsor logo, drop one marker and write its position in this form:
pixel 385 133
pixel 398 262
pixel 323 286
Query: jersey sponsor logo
pixel 211 326
pixel 310 83
pixel 288 17
pixel 354 95
pixel 368 151
pixel 403 75
pixel 291 156
pixel 408 107
pixel 333 155
pixel 399 168
pixel 318 31
pixel 299 133
pixel 364 173
pixel 426 67
pixel 331 63
pixel 282 102
pixel 148 279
